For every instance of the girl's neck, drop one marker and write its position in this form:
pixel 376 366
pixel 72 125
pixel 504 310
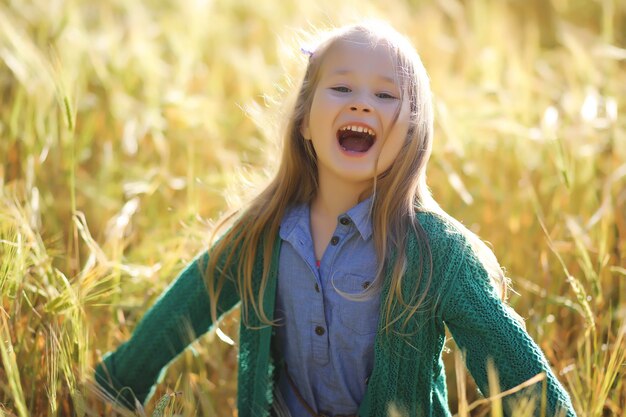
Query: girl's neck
pixel 334 198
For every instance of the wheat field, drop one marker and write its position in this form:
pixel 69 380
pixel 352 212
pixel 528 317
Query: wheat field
pixel 128 127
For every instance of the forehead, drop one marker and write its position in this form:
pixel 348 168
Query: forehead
pixel 361 56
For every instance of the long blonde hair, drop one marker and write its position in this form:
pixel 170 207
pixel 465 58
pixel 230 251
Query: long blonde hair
pixel 399 192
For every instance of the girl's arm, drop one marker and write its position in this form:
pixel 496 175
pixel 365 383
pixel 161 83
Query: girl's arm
pixel 180 315
pixel 485 328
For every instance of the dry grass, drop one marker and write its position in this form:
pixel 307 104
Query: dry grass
pixel 125 126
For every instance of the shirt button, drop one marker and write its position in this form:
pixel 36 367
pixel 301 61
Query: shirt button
pixel 345 221
pixel 317 287
pixel 334 240
pixel 319 330
pixel 366 285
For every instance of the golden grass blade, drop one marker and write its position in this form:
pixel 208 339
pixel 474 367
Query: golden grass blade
pixel 11 368
pixel 579 289
pixel 394 411
pixel 494 389
pixel 101 395
pixel 53 379
pixel 612 365
pixel 160 407
pixel 459 368
pixel 163 402
pixel 498 397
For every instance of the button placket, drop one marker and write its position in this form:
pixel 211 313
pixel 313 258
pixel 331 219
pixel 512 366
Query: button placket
pixel 320 341
pixel 319 333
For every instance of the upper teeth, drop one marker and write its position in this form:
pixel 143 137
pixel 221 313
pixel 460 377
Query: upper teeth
pixel 359 129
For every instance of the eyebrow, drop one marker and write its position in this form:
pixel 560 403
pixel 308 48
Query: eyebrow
pixel 348 72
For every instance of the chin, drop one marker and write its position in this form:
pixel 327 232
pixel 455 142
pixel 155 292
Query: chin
pixel 359 176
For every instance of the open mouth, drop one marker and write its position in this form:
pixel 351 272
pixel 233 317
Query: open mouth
pixel 354 138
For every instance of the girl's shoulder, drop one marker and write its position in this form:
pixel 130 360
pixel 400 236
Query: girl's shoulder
pixel 457 251
pixel 444 234
pixel 449 242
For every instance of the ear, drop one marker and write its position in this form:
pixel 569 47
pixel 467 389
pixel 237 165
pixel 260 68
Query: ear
pixel 304 128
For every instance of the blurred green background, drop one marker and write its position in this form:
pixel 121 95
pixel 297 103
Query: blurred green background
pixel 128 127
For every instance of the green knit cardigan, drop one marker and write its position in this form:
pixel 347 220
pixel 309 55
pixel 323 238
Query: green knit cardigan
pixel 408 368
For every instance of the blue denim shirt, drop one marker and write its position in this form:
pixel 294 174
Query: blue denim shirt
pixel 326 339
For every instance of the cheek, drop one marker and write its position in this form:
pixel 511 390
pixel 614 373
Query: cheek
pixel 401 127
pixel 396 139
pixel 395 144
pixel 317 110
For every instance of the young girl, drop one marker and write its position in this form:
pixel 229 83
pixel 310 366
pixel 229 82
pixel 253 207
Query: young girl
pixel 345 267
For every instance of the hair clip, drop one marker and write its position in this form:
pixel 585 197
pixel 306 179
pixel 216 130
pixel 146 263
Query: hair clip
pixel 306 51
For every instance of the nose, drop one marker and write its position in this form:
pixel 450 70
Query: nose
pixel 365 108
pixel 360 104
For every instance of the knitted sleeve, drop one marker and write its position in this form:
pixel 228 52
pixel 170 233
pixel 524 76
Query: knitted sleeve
pixel 180 315
pixel 484 328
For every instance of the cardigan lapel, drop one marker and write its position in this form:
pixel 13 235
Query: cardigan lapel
pixel 263 367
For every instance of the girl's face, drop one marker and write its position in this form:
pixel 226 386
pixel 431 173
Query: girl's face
pixel 350 122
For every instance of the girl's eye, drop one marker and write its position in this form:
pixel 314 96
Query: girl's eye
pixel 385 96
pixel 341 89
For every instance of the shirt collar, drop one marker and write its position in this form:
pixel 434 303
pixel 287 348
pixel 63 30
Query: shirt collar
pixel 294 216
pixel 299 214
pixel 361 217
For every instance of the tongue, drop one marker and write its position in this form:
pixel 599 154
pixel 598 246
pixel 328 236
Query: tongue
pixel 355 144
